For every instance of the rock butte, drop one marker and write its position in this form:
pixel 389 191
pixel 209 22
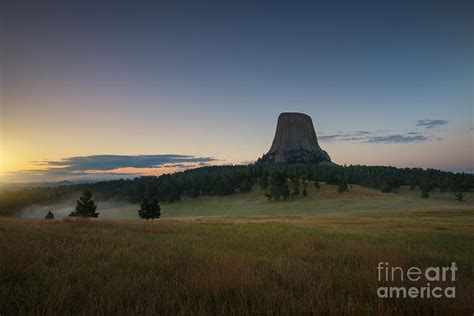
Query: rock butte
pixel 295 142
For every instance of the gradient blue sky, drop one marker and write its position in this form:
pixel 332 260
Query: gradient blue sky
pixel 209 78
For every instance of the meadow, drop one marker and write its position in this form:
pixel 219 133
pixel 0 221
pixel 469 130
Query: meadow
pixel 240 254
pixel 254 204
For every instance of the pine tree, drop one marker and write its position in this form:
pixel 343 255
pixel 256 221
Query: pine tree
pixel 85 207
pixel 263 181
pixel 144 207
pixel 245 186
pixel 385 188
pixel 155 211
pixel 316 185
pixel 296 187
pixel 195 192
pixel 459 196
pixel 50 215
pixel 285 192
pixel 278 186
pixel 426 187
pixel 342 187
pixel 149 209
pixel 305 190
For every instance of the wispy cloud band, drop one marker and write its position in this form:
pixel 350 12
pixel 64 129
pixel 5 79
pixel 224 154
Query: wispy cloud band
pixel 111 162
pixel 396 139
pixel 97 167
pixel 416 134
pixel 431 123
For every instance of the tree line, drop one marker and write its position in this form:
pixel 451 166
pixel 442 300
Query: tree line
pixel 224 180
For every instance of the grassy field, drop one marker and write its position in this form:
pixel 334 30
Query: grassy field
pixel 318 202
pixel 326 201
pixel 313 254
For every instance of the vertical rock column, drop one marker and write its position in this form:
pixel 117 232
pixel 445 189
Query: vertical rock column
pixel 295 141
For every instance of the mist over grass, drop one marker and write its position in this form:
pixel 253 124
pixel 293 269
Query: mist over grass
pixel 324 201
pixel 109 209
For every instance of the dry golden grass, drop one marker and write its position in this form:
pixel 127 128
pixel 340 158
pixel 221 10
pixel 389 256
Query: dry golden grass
pixel 229 266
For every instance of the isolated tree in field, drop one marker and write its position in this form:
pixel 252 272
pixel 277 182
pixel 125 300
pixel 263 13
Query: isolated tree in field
pixel 426 187
pixel 305 189
pixel 342 187
pixel 412 182
pixel 316 185
pixel 385 188
pixel 268 196
pixel 296 187
pixel 459 196
pixel 316 181
pixel 50 215
pixel 85 207
pixel 149 209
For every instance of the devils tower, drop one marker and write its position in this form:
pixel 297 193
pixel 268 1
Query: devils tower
pixel 295 142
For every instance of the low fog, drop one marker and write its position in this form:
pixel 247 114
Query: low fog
pixel 109 209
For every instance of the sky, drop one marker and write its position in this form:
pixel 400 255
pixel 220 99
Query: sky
pixel 105 89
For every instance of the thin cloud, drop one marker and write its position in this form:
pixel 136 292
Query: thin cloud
pixel 396 139
pixel 111 162
pixel 384 136
pixel 430 123
pixel 328 138
pixel 100 167
pixel 344 136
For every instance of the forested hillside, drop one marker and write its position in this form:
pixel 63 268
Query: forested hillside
pixel 223 180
